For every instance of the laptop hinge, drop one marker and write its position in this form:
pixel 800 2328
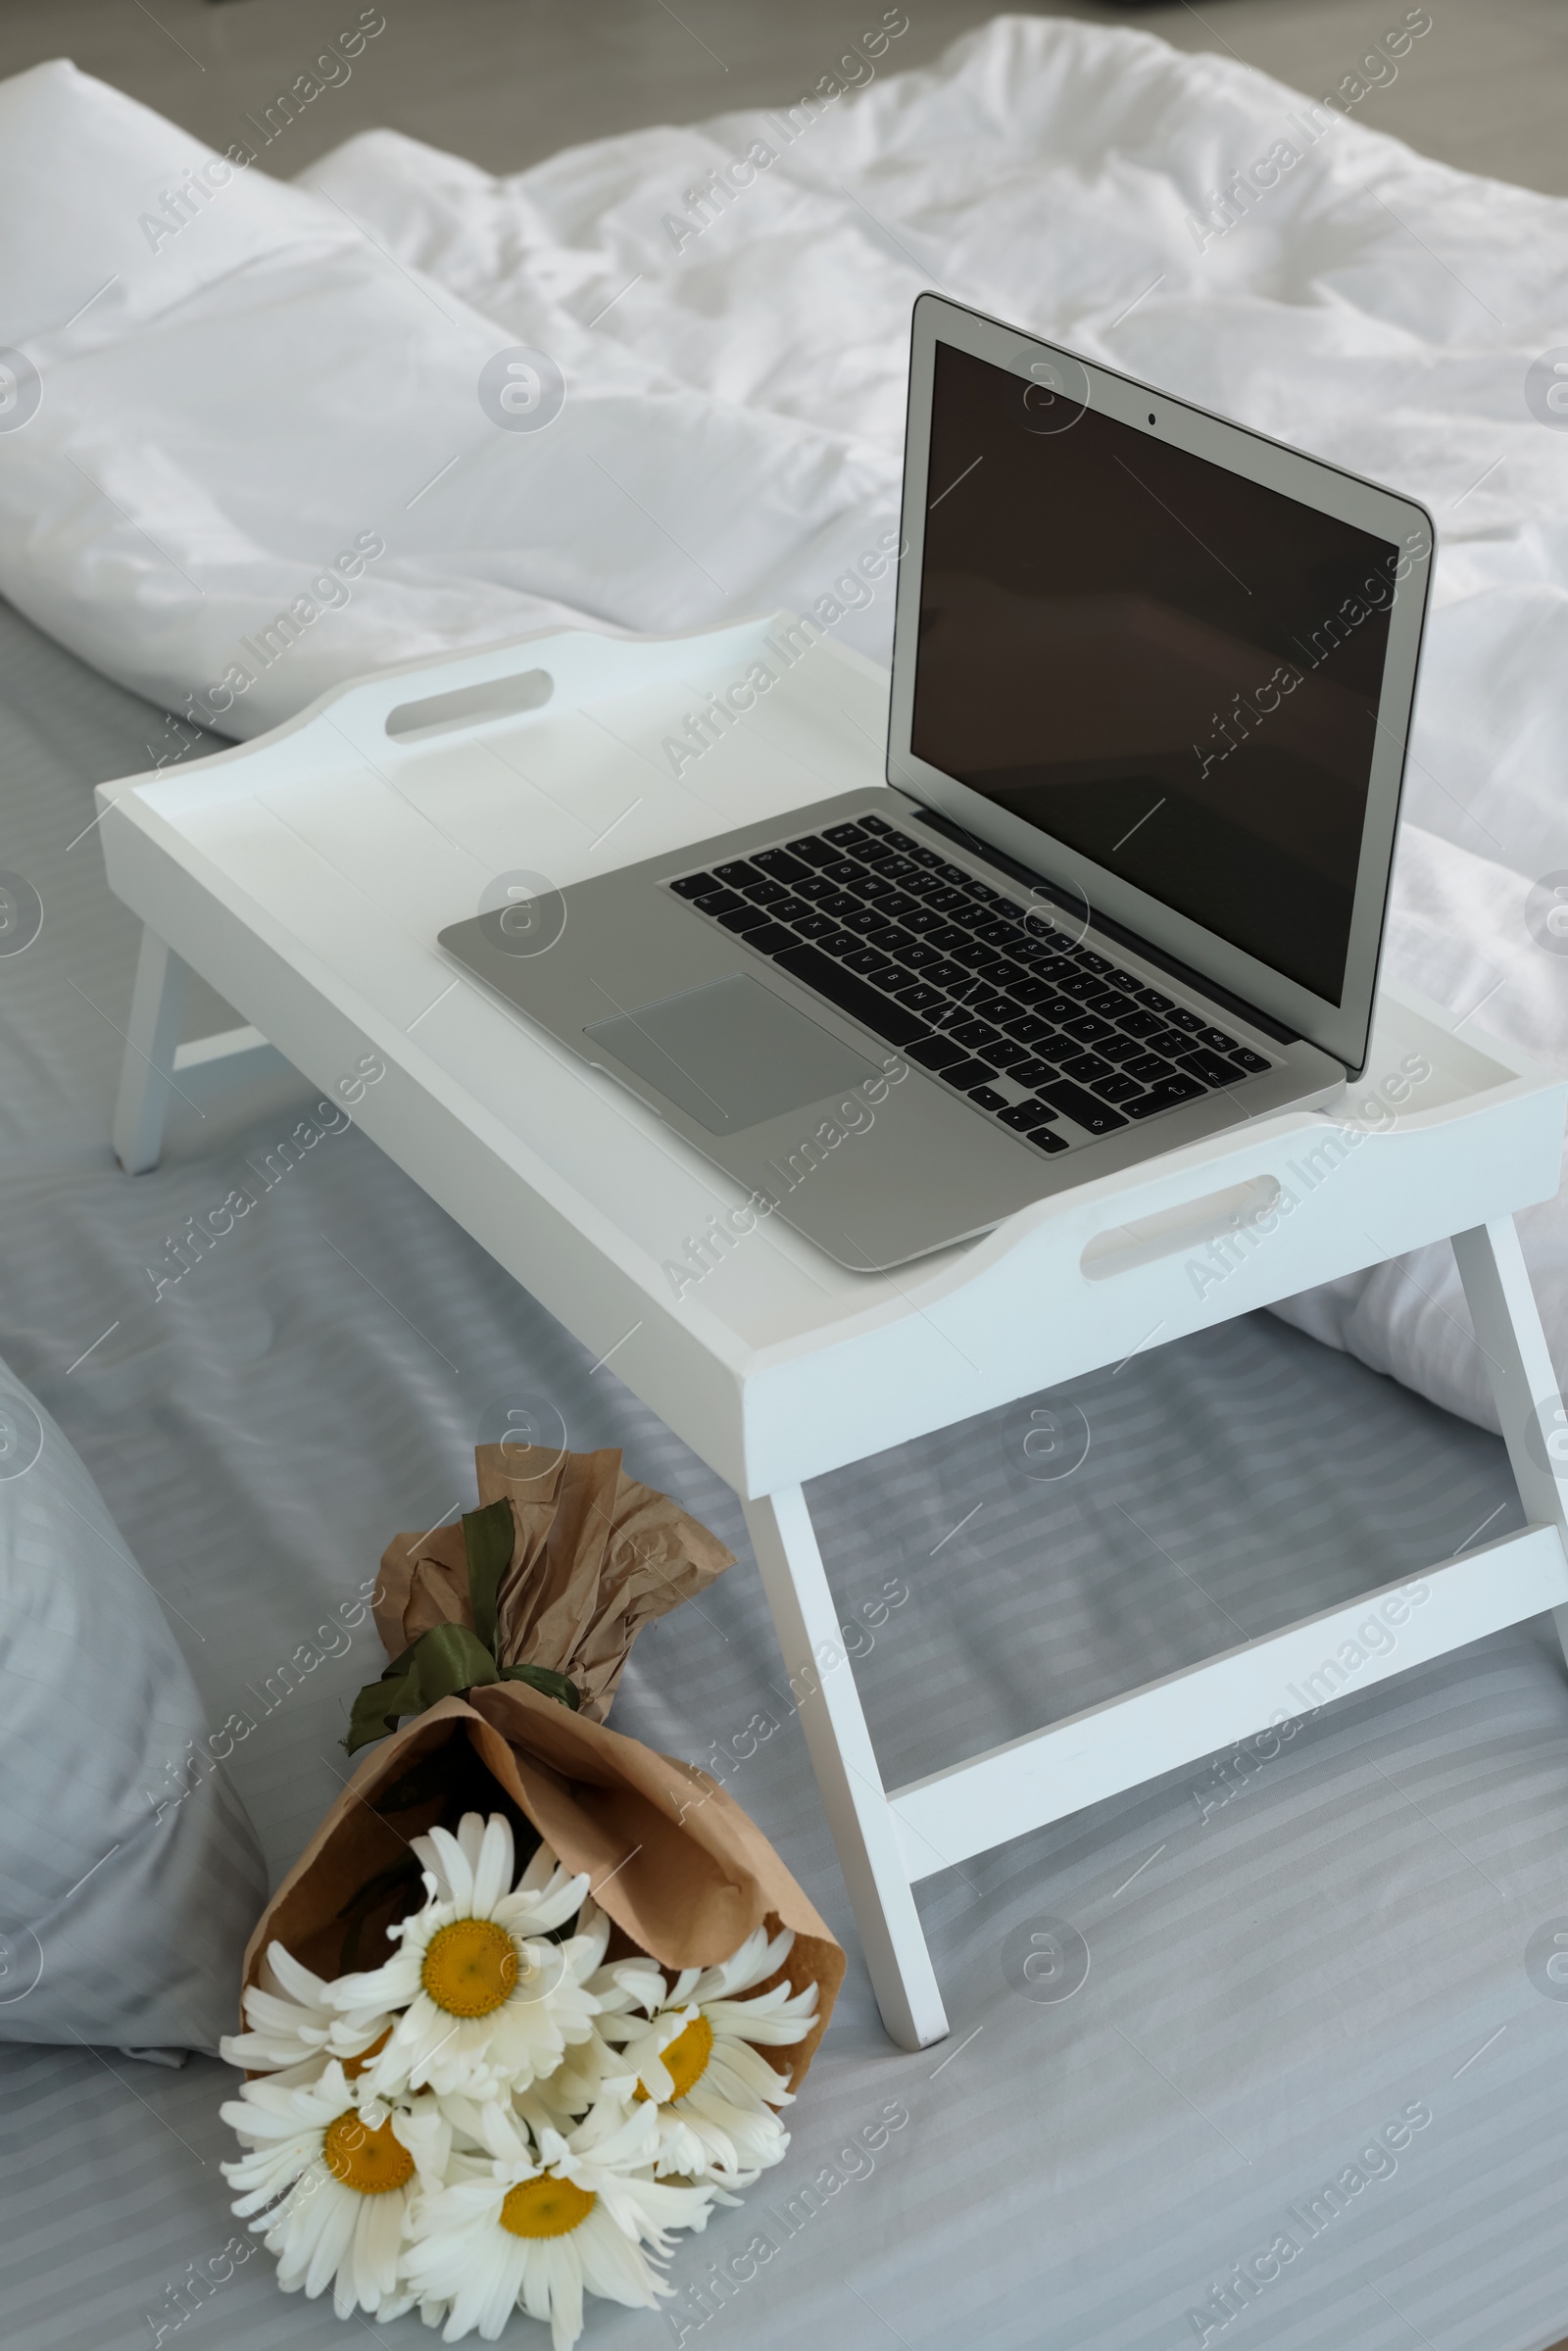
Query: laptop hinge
pixel 1182 973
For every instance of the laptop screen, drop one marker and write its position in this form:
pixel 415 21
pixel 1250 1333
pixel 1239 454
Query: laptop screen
pixel 1170 669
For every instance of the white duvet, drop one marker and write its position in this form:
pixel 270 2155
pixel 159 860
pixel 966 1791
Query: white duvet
pixel 249 445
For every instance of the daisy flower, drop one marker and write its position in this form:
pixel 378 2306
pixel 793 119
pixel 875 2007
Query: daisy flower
pixel 697 2059
pixel 595 2069
pixel 541 2228
pixel 347 2169
pixel 487 2000
pixel 294 2028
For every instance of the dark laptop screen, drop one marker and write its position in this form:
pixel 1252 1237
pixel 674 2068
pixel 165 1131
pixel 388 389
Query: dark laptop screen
pixel 1171 671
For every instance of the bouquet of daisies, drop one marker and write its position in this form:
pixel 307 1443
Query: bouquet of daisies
pixel 534 1998
pixel 499 2116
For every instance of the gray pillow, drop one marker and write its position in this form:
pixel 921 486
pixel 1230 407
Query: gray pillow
pixel 129 1873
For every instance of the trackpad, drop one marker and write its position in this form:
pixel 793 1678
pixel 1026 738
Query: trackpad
pixel 731 1053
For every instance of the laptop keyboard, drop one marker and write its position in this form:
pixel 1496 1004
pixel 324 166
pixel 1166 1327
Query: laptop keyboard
pixel 993 998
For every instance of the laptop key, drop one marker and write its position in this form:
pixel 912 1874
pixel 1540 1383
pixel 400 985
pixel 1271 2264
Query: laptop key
pixel 919 998
pixel 1114 1089
pixel 895 1023
pixel 1035 1072
pixel 1246 1058
pixel 1217 1041
pixel 1021 1116
pixel 737 873
pixel 1153 1000
pixel 1045 1140
pixel 945 973
pixel 844 836
pixel 770 937
pixel 872 964
pixel 1007 1054
pixel 693 885
pixel 761 892
pixel 1079 984
pixel 781 866
pixel 751 918
pixel 1168 1095
pixel 967 1075
pixel 789 908
pixel 876 824
pixel 1148 1070
pixel 976 1034
pixel 1177 1017
pixel 937 1053
pixel 949 939
pixel 987 1098
pixel 840 943
pixel 1088 1028
pixel 1085 1068
pixel 815 926
pixel 918 955
pixel 720 902
pixel 1209 1068
pixel 813 852
pixel 1120 1048
pixel 1095 1117
pixel 1029 1028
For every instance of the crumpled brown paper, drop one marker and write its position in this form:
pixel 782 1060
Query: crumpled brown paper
pixel 594 1557
pixel 684 1874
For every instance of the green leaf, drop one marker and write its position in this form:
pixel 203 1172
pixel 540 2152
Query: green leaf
pixel 488 1535
pixel 544 1678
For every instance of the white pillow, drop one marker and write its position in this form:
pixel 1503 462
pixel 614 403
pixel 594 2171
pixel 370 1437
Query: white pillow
pixel 129 1873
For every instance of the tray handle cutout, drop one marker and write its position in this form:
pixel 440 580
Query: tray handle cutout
pixel 1122 1247
pixel 471 705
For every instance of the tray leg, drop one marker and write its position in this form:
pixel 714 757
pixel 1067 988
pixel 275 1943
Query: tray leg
pixel 1507 1327
pixel 847 1770
pixel 146 1074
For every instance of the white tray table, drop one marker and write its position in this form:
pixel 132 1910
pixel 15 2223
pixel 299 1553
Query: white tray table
pixel 306 876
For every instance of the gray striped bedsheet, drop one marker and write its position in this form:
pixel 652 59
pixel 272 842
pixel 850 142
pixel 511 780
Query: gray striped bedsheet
pixel 1308 2025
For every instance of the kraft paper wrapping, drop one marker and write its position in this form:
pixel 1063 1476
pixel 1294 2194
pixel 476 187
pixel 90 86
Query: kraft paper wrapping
pixel 594 1557
pixel 682 1872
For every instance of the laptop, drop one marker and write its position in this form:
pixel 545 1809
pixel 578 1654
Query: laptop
pixel 1124 886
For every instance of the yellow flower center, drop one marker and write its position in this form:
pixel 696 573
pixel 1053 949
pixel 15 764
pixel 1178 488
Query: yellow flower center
pixel 354 2067
pixel 371 2161
pixel 686 2059
pixel 546 2207
pixel 470 1967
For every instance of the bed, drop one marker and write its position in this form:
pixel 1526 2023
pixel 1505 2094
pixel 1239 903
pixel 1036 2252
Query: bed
pixel 1288 1949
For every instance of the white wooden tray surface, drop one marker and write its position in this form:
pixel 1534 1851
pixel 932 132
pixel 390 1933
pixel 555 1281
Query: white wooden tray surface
pixel 306 876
